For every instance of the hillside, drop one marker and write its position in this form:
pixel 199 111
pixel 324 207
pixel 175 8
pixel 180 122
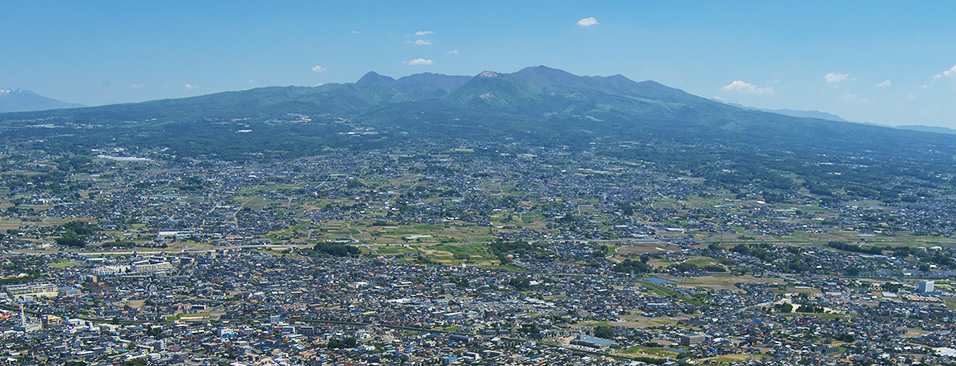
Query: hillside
pixel 536 105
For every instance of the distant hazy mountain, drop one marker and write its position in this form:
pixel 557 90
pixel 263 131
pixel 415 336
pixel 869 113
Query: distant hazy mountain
pixel 795 113
pixel 537 105
pixel 934 129
pixel 808 114
pixel 18 100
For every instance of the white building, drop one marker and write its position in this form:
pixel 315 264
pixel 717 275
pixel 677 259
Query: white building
pixel 151 266
pixel 39 289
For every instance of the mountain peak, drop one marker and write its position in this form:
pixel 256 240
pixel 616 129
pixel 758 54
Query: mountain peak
pixel 374 78
pixel 543 70
pixel 6 92
pixel 19 100
pixel 488 74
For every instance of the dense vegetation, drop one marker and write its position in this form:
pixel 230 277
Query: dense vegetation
pixel 632 266
pixel 336 249
pixel 75 233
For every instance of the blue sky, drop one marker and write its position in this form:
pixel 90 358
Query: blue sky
pixel 883 62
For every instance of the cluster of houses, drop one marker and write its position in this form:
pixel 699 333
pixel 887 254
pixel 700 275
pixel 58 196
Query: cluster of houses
pixel 254 307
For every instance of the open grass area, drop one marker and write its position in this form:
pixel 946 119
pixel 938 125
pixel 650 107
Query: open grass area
pixel 661 290
pixel 648 352
pixel 62 265
pixel 9 225
pixel 719 281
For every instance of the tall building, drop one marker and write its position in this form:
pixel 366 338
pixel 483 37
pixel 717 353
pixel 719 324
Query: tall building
pixel 691 339
pixel 926 286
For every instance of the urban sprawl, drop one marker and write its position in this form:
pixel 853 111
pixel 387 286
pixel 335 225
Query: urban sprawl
pixel 507 255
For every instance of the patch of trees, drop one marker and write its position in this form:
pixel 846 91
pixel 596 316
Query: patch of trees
pixel 839 245
pixel 797 265
pixel 520 284
pixel 632 266
pixel 891 287
pixel 119 244
pixel 75 233
pixel 603 331
pixel 502 248
pixel 783 308
pixel 336 249
pixel 425 260
pixel 761 251
pixel 845 338
pixel 529 328
pixel 810 309
pixel 349 342
pixel 80 164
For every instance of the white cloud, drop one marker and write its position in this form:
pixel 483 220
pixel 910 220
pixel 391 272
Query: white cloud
pixel 948 73
pixel 883 84
pixel 422 42
pixel 835 78
pixel 853 98
pixel 423 33
pixel 419 61
pixel 587 22
pixel 192 86
pixel 318 68
pixel 747 88
pixel 135 86
pixel 355 32
pixel 452 52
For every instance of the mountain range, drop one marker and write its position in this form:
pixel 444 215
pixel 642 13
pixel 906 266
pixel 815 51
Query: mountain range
pixel 795 113
pixel 538 105
pixel 18 100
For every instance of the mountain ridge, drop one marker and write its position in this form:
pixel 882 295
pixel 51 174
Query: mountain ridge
pixel 19 100
pixel 536 104
pixel 794 112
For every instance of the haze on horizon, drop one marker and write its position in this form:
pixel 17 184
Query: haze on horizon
pixel 890 63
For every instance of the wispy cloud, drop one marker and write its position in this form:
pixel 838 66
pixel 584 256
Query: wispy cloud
pixel 948 73
pixel 192 86
pixel 135 86
pixel 741 86
pixel 853 98
pixel 318 68
pixel 452 52
pixel 883 84
pixel 424 33
pixel 587 22
pixel 835 77
pixel 419 61
pixel 422 42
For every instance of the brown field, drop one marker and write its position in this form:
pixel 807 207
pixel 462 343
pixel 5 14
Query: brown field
pixel 719 281
pixel 647 247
